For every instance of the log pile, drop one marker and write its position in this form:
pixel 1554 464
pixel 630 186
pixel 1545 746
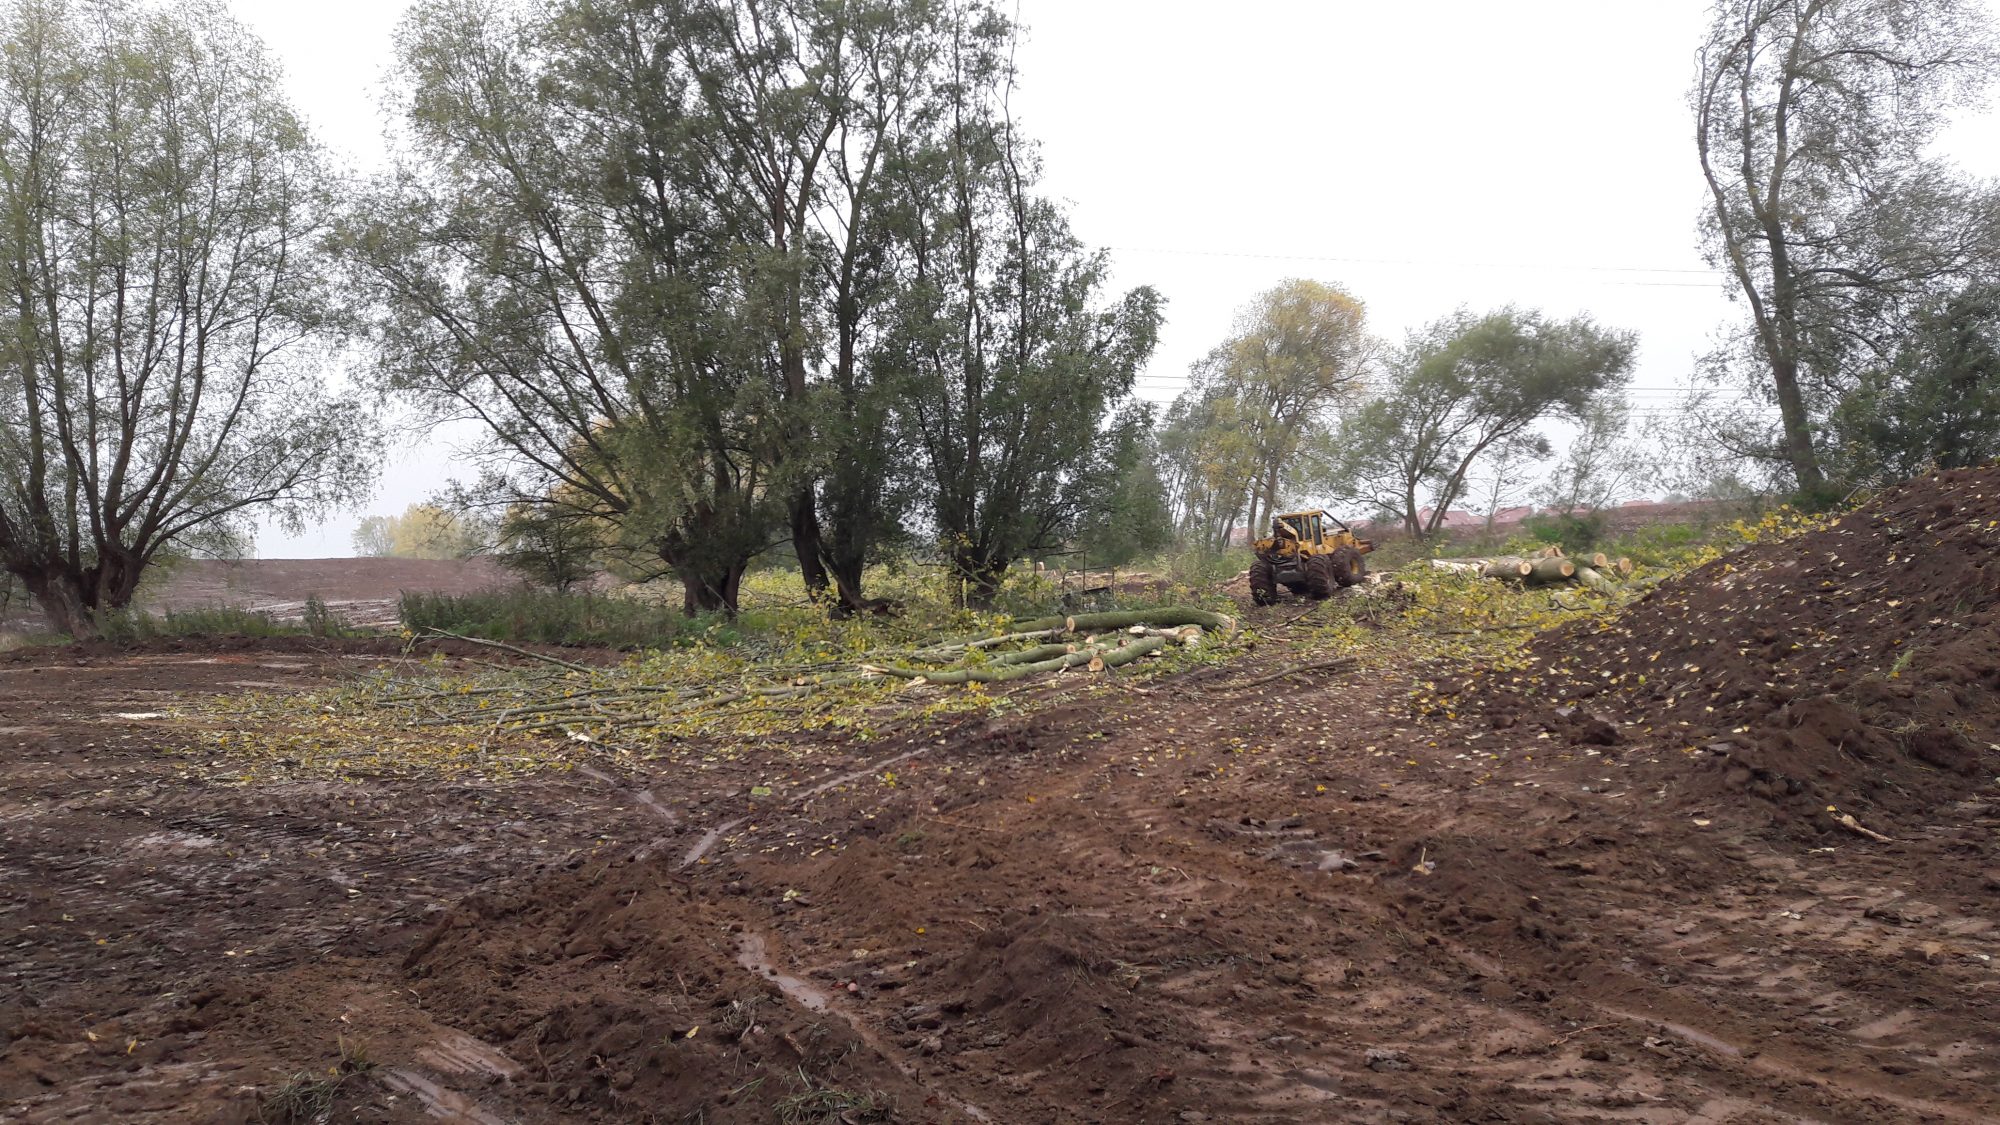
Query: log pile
pixel 1596 571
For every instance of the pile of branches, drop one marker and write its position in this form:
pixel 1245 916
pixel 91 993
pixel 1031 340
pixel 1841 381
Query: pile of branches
pixel 596 705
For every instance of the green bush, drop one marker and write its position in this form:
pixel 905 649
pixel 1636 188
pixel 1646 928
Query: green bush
pixel 543 617
pixel 126 625
pixel 1574 532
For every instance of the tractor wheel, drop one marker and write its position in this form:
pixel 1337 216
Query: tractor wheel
pixel 1319 576
pixel 1348 566
pixel 1263 582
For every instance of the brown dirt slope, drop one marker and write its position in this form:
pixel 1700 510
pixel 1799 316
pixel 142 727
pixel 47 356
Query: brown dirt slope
pixel 1856 666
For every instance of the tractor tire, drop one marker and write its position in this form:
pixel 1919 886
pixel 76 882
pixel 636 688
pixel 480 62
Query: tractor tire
pixel 1319 577
pixel 1348 566
pixel 1263 582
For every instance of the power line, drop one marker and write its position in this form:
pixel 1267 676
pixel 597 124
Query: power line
pixel 1187 252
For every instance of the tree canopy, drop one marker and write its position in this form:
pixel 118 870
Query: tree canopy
pixel 1828 211
pixel 1233 441
pixel 1466 389
pixel 162 212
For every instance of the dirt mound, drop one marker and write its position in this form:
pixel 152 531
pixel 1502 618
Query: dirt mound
pixel 632 1001
pixel 1856 666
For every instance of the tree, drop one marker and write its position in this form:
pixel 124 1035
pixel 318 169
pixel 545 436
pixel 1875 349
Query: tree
pixel 375 537
pixel 1299 353
pixel 548 546
pixel 1936 402
pixel 1464 390
pixel 1813 119
pixel 803 104
pixel 1600 462
pixel 1015 373
pixel 1133 518
pixel 161 210
pixel 1207 464
pixel 551 260
pixel 423 531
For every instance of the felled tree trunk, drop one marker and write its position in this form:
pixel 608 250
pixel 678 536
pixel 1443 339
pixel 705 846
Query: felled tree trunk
pixel 1592 578
pixel 1551 570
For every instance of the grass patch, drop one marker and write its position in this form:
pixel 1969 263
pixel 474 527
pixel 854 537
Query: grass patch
pixel 828 1105
pixel 543 617
pixel 128 625
pixel 309 1097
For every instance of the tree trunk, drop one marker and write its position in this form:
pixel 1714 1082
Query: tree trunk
pixel 1799 451
pixel 65 602
pixel 1555 569
pixel 711 589
pixel 808 544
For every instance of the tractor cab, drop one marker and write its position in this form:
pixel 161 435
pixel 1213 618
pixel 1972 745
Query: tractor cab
pixel 1302 526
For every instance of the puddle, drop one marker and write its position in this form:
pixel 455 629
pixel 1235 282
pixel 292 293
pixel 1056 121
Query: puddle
pixel 458 1053
pixel 652 803
pixel 752 955
pixel 708 840
pixel 1325 1083
pixel 446 1105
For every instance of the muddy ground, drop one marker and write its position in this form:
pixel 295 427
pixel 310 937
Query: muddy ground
pixel 1206 899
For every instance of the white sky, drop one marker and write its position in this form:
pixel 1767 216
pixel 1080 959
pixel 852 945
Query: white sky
pixel 1423 156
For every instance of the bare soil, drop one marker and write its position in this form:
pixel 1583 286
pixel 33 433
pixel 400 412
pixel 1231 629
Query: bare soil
pixel 1201 900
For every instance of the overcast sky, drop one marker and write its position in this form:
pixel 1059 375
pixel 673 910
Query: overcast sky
pixel 1422 156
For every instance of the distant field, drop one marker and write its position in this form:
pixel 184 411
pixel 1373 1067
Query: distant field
pixel 363 591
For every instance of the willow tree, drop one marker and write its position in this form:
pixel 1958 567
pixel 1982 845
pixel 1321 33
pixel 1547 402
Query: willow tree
pixel 1827 208
pixel 1015 366
pixel 1300 352
pixel 548 260
pixel 802 104
pixel 1463 391
pixel 166 304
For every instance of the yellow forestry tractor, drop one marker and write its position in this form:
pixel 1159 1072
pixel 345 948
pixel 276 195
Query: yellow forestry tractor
pixel 1307 553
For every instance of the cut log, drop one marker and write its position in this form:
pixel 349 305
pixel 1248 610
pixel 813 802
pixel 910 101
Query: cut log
pixel 1166 617
pixel 1596 560
pixel 1516 569
pixel 1551 570
pixel 1589 576
pixel 1623 566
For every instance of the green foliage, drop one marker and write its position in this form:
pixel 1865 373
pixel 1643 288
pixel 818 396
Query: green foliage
pixel 1660 544
pixel 549 545
pixel 1468 389
pixel 1132 519
pixel 1828 210
pixel 319 621
pixel 1196 563
pixel 1574 532
pixel 218 621
pixel 423 531
pixel 1936 403
pixel 1019 367
pixel 1234 438
pixel 168 299
pixel 543 617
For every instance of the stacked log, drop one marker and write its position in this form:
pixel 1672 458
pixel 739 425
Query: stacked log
pixel 1596 571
